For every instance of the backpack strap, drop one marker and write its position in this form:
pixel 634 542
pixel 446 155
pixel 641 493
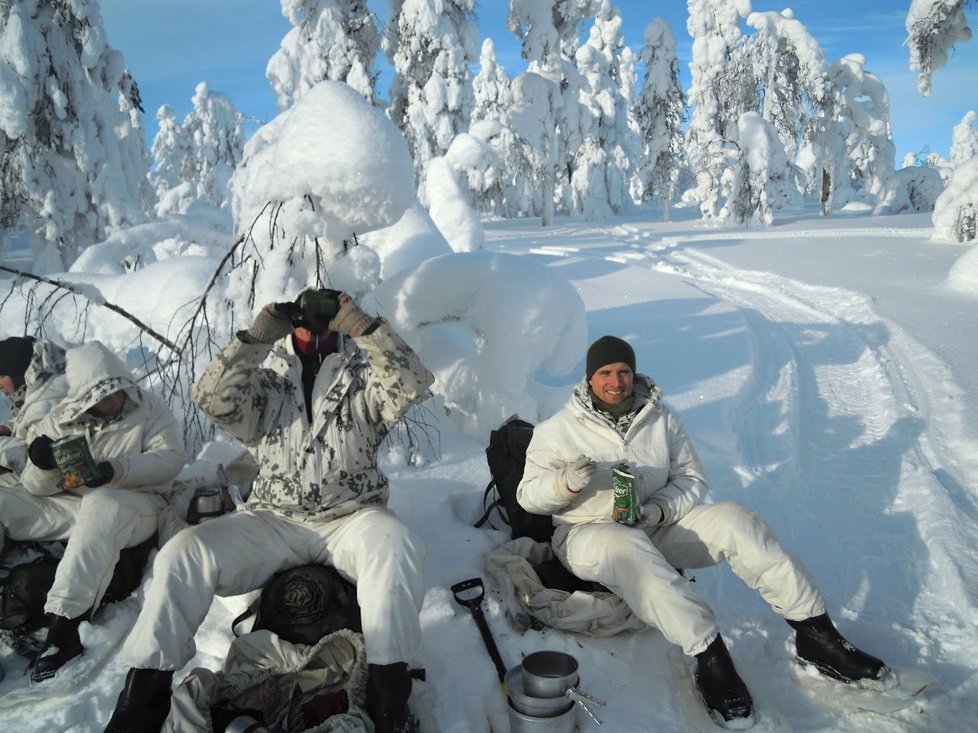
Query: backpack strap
pixel 497 504
pixel 249 611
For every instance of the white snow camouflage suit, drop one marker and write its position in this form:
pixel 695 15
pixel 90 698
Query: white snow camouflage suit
pixel 143 444
pixel 320 496
pixel 44 387
pixel 639 563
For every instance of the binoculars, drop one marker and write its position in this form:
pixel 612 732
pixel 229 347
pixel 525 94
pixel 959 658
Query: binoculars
pixel 317 308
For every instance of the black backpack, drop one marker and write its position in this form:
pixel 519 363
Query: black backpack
pixel 506 455
pixel 26 588
pixel 304 604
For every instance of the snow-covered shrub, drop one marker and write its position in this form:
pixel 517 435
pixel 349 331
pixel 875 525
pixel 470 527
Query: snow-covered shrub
pixel 914 188
pixel 956 210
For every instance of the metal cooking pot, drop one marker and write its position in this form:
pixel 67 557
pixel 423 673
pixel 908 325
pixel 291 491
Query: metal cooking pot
pixel 537 707
pixel 549 674
pixel 519 722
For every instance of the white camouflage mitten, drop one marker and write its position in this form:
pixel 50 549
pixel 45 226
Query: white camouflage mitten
pixel 349 319
pixel 273 322
pixel 576 475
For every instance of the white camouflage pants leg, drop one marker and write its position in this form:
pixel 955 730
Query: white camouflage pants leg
pixel 24 516
pixel 106 522
pixel 240 552
pixel 640 568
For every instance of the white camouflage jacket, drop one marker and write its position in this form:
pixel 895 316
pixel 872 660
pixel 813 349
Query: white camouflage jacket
pixel 653 442
pixel 44 387
pixel 144 444
pixel 327 468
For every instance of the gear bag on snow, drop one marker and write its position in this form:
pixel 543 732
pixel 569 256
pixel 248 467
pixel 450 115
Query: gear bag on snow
pixel 26 587
pixel 304 604
pixel 506 456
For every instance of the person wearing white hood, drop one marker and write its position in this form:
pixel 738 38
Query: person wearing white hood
pixel 32 376
pixel 138 448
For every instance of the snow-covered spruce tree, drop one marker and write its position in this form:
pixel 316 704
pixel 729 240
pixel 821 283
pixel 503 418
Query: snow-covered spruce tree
pixel 723 87
pixel 864 132
pixel 550 34
pixel 964 139
pixel 600 175
pixel 933 28
pixel 431 44
pixel 659 112
pixel 491 86
pixel 537 102
pixel 195 160
pixel 331 39
pixel 956 210
pixel 793 75
pixel 73 161
pixel 759 179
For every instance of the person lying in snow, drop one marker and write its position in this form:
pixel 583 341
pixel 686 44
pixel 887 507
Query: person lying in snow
pixel 32 377
pixel 138 450
pixel 312 388
pixel 616 416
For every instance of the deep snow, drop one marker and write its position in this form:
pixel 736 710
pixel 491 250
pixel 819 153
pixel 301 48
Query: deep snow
pixel 826 373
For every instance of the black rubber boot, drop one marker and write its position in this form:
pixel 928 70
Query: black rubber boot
pixel 723 691
pixel 143 703
pixel 388 690
pixel 61 646
pixel 819 643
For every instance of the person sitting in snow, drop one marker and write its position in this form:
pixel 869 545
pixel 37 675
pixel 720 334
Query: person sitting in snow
pixel 617 416
pixel 311 391
pixel 137 446
pixel 32 377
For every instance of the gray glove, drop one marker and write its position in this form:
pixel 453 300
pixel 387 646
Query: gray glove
pixel 650 514
pixel 577 474
pixel 273 322
pixel 349 319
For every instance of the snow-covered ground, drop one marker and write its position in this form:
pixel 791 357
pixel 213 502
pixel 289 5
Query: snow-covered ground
pixel 827 375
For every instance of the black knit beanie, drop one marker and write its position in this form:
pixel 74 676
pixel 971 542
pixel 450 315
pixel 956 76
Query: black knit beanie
pixel 608 350
pixel 16 353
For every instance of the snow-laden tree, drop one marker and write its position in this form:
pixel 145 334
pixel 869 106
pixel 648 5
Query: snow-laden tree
pixel 759 177
pixel 491 86
pixel 964 139
pixel 659 113
pixel 73 160
pixel 331 39
pixel 549 31
pixel 195 159
pixel 601 165
pixel 956 211
pixel 537 104
pixel 933 29
pixel 723 87
pixel 863 132
pixel 793 75
pixel 431 44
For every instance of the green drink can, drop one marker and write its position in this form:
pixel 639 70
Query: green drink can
pixel 625 510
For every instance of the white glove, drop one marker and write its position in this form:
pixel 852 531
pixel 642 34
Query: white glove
pixel 577 474
pixel 349 319
pixel 651 514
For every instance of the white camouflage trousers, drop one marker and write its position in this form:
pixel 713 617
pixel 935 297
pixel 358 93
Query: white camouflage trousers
pixel 239 552
pixel 97 526
pixel 641 568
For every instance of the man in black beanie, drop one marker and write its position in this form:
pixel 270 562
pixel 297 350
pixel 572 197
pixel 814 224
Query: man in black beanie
pixel 615 425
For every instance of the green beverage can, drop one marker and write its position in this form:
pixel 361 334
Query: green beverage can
pixel 74 458
pixel 625 510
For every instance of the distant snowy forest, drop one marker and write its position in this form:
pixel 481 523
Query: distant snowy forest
pixel 767 123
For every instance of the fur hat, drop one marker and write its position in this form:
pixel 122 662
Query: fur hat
pixel 16 353
pixel 608 350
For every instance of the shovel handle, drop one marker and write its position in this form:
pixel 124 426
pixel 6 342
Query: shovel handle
pixel 474 604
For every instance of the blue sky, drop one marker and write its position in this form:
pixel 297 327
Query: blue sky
pixel 171 45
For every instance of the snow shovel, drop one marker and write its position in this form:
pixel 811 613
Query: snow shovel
pixel 469 593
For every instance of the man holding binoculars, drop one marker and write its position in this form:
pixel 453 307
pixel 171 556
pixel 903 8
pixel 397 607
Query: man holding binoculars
pixel 311 389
